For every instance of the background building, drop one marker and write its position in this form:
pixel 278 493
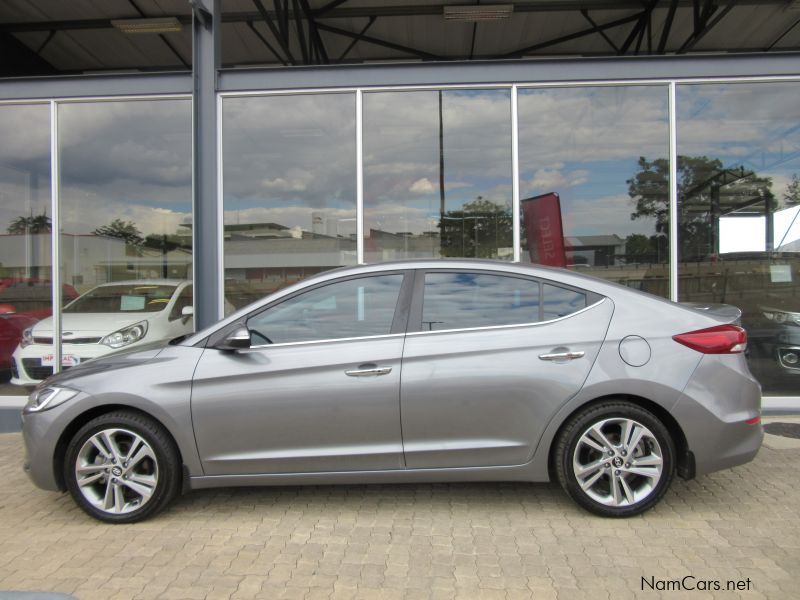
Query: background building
pixel 249 144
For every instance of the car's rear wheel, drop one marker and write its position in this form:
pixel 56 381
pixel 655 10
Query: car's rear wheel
pixel 615 459
pixel 122 467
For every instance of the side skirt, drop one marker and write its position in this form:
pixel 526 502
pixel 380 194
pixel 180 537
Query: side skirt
pixel 513 473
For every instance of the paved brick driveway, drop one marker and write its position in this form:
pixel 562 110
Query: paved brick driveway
pixel 409 541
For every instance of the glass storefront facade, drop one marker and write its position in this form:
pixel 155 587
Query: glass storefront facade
pixel 122 205
pixel 576 176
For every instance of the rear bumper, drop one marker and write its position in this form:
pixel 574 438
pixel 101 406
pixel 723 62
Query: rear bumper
pixel 713 412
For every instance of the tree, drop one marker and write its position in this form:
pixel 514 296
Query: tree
pixel 706 191
pixel 125 230
pixel 791 197
pixel 31 224
pixel 477 230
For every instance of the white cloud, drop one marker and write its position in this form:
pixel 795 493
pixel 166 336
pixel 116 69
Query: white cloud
pixel 550 179
pixel 423 186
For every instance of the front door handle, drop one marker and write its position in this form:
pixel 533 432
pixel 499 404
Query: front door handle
pixel 562 355
pixel 368 370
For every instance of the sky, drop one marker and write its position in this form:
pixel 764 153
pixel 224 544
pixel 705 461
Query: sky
pixel 287 158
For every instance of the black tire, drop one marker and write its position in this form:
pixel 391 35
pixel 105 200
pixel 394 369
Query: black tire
pixel 164 466
pixel 607 413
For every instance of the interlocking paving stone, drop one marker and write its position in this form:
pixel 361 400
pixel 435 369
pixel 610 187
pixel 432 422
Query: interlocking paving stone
pixel 432 541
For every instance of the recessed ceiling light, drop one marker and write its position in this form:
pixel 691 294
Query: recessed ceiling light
pixel 481 12
pixel 151 25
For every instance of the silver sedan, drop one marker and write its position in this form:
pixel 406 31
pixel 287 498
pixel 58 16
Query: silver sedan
pixel 409 372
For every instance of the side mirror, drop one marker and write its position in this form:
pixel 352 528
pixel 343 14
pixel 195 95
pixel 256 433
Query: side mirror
pixel 7 309
pixel 236 340
pixel 186 313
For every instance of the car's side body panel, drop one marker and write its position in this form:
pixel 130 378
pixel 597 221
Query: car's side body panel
pixel 291 408
pixel 482 397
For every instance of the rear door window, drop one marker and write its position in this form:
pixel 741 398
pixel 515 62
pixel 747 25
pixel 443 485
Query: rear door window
pixel 463 300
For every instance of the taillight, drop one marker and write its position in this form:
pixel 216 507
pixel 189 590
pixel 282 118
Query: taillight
pixel 723 339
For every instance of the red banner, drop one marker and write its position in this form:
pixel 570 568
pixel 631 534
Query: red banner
pixel 541 218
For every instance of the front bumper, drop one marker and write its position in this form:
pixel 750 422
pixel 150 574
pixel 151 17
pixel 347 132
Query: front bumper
pixel 40 433
pixel 27 367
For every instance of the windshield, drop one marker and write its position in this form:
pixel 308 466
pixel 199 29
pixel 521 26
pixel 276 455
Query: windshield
pixel 132 298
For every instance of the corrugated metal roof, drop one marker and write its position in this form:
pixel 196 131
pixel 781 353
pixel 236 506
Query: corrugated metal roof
pixel 77 36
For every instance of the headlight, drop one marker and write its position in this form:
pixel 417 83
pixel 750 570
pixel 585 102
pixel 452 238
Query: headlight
pixel 780 316
pixel 48 397
pixel 27 338
pixel 126 336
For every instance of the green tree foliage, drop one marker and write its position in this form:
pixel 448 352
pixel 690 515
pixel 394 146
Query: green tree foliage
pixel 477 230
pixel 124 230
pixel 791 197
pixel 706 191
pixel 31 224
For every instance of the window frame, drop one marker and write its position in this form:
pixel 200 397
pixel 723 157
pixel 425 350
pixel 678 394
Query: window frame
pixel 399 320
pixel 415 317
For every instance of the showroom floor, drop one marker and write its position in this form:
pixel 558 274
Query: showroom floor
pixel 412 541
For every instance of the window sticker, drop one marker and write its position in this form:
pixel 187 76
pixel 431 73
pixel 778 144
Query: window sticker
pixel 780 273
pixel 132 303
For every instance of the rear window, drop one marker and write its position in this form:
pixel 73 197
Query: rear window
pixel 560 302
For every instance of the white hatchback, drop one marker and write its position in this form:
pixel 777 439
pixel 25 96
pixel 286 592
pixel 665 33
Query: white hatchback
pixel 110 316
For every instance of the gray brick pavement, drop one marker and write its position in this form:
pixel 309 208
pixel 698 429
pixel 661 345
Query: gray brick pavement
pixel 503 541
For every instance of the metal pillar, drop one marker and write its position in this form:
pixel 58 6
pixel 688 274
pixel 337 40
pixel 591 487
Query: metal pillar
pixel 205 168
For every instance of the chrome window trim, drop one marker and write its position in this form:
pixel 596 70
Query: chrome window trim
pixel 325 341
pixel 513 326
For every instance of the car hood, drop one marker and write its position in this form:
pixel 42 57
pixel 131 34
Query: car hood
pixel 122 358
pixel 89 324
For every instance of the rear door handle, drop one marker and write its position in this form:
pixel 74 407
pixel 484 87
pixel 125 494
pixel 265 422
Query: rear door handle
pixel 368 370
pixel 562 355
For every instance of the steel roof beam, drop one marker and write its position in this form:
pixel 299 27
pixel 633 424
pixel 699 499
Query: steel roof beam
pixel 267 18
pixel 592 22
pixel 662 44
pixel 379 42
pixel 355 39
pixel 708 25
pixel 572 36
pixel 269 46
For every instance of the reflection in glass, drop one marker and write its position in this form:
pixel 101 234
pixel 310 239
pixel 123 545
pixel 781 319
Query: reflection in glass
pixel 739 230
pixel 25 227
pixel 466 300
pixel 125 202
pixel 437 174
pixel 353 308
pixel 594 174
pixel 289 190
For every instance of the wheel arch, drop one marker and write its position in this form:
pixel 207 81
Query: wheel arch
pixel 685 458
pixel 92 413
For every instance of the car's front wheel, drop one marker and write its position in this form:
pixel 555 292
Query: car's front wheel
pixel 122 467
pixel 615 459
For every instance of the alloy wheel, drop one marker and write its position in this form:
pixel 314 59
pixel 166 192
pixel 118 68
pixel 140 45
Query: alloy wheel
pixel 618 462
pixel 116 471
